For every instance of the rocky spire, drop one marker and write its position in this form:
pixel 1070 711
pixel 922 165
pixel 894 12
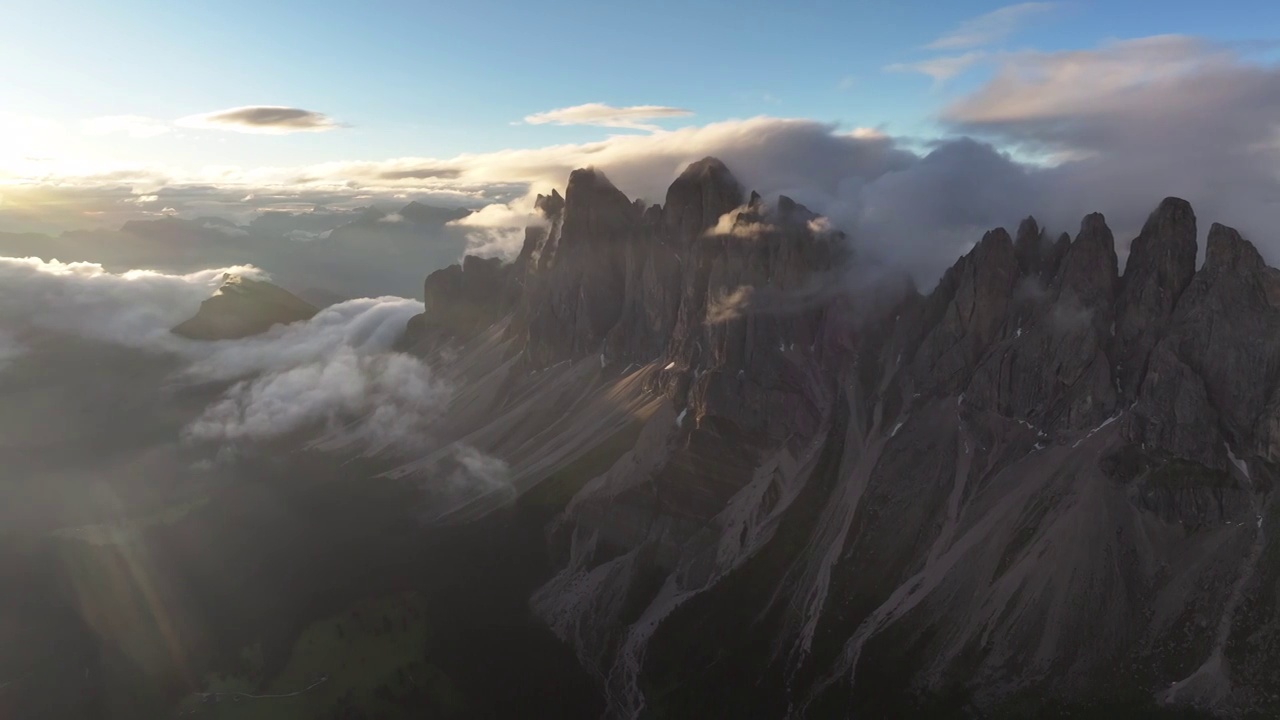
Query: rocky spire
pixel 549 205
pixel 1230 253
pixel 1089 268
pixel 1161 261
pixel 696 200
pixel 594 211
pixel 1029 247
pixel 965 312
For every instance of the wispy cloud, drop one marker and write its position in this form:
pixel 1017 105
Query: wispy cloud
pixel 135 126
pixel 262 119
pixel 941 69
pixel 602 115
pixel 990 28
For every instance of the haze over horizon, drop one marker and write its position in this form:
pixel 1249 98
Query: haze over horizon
pixel 1074 107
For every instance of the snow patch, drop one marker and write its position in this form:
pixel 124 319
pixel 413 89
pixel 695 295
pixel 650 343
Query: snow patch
pixel 1241 464
pixel 680 417
pixel 670 365
pixel 1091 433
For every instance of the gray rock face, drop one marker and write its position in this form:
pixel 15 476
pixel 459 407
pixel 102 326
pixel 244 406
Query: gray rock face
pixel 461 300
pixel 959 486
pixel 965 314
pixel 243 307
pixel 1049 366
pixel 703 193
pixel 580 289
pixel 1162 260
pixel 1214 373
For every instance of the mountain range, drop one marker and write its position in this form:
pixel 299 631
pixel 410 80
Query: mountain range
pixel 695 459
pixel 1047 483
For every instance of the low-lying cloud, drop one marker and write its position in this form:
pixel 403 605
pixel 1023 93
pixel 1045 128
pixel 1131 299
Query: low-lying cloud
pixel 384 399
pixel 135 308
pixel 335 373
pixel 264 119
pixel 498 230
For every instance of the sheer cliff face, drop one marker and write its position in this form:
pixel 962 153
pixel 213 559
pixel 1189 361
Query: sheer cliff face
pixel 1043 471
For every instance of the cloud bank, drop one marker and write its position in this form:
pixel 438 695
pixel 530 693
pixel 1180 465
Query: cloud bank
pixel 1134 121
pixel 136 308
pixel 335 373
pixel 383 399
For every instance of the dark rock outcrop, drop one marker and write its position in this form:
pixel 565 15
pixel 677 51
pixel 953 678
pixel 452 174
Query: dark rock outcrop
pixel 460 301
pixel 243 307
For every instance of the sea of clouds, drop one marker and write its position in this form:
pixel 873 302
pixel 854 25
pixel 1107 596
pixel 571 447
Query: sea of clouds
pixel 336 371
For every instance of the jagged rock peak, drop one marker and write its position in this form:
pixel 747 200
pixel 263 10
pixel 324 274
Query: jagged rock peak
pixel 1167 243
pixel 594 209
pixel 549 205
pixel 1089 269
pixel 697 199
pixel 709 169
pixel 1228 251
pixel 995 237
pixel 590 180
pixel 1028 246
pixel 1162 261
pixel 789 211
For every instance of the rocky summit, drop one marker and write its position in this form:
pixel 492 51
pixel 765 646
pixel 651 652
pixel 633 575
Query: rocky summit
pixel 1045 485
pixel 243 307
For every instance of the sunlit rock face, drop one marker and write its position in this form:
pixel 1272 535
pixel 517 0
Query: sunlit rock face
pixel 243 307
pixel 860 498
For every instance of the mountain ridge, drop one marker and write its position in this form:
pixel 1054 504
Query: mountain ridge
pixel 1040 450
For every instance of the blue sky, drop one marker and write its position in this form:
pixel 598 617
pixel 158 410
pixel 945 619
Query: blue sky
pixel 137 109
pixel 439 79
